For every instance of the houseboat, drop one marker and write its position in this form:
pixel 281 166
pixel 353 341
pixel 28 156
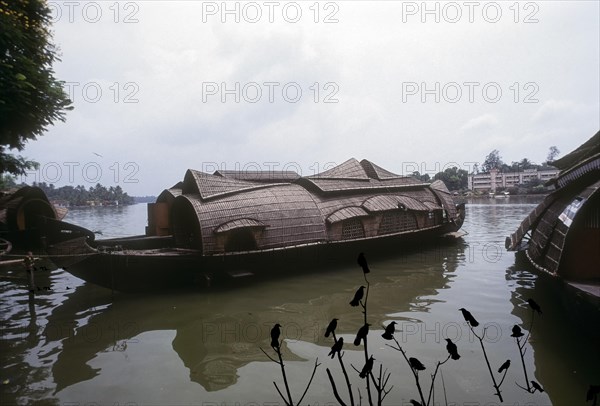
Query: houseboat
pixel 561 235
pixel 240 223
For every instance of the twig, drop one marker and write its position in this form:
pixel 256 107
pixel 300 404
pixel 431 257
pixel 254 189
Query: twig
pixel 522 354
pixel 281 394
pixel 334 388
pixel 310 380
pixel 433 377
pixel 415 373
pixel 348 384
pixel 487 361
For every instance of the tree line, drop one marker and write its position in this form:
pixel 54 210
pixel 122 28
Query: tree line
pixel 80 196
pixel 457 179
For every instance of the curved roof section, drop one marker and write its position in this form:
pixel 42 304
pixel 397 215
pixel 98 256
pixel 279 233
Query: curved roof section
pixel 260 176
pixel 346 213
pixel 239 223
pixel 351 169
pixel 381 203
pixel 410 203
pixel 585 151
pixel 357 176
pixel 377 172
pixel 211 186
pixel 168 195
pixel 288 212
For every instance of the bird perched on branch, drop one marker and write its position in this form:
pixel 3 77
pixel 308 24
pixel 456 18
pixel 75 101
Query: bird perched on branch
pixel 389 331
pixel 416 364
pixel 504 366
pixel 362 334
pixel 516 332
pixel 452 350
pixel 331 327
pixel 358 296
pixel 337 347
pixel 362 261
pixel 275 332
pixel 533 304
pixel 469 317
pixel 536 386
pixel 367 368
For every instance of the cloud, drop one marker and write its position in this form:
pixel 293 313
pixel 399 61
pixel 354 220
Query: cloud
pixel 481 123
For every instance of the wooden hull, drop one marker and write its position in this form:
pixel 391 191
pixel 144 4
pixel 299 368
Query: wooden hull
pixel 124 265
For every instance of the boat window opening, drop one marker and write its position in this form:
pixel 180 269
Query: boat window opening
pixel 352 229
pixel 395 222
pixel 240 240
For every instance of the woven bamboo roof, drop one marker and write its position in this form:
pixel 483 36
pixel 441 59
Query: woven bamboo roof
pixel 284 212
pixel 346 213
pixel 260 176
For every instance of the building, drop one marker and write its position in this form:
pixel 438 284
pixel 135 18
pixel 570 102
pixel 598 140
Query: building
pixel 496 180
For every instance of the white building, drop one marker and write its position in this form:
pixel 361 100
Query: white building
pixel 494 180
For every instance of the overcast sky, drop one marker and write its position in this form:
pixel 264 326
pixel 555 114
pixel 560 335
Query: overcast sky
pixel 162 86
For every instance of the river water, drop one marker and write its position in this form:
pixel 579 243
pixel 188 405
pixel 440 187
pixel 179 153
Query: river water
pixel 79 344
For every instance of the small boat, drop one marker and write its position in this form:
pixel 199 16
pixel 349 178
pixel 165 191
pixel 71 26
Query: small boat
pixel 241 223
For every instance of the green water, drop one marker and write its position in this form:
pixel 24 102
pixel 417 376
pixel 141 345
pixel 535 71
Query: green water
pixel 79 344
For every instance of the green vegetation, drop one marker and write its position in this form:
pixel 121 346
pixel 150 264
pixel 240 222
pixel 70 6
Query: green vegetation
pixel 78 196
pixel 31 98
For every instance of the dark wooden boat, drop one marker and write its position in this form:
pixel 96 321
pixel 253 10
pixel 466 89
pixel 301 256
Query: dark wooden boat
pixel 239 223
pixel 561 236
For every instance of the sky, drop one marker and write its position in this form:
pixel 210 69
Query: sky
pixel 159 87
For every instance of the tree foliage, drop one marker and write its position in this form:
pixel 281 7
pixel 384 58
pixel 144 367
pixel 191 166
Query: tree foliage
pixel 80 196
pixel 553 152
pixel 454 178
pixel 492 161
pixel 31 98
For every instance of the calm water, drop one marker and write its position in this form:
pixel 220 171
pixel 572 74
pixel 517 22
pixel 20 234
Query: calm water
pixel 81 345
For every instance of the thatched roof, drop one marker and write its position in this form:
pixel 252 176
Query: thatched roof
pixel 12 207
pixel 585 151
pixel 550 222
pixel 282 209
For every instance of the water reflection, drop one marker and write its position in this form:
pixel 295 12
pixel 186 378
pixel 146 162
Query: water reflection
pixel 219 331
pixel 566 322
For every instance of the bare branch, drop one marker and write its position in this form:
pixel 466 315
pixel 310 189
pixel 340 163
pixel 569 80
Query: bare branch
pixel 310 380
pixel 334 388
pixel 268 356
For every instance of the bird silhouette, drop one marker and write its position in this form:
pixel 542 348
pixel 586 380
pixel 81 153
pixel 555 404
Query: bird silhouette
pixel 275 332
pixel 362 261
pixel 331 327
pixel 452 350
pixel 516 332
pixel 416 364
pixel 536 386
pixel 337 347
pixel 415 403
pixel 469 317
pixel 367 368
pixel 533 304
pixel 389 331
pixel 504 366
pixel 362 334
pixel 357 296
